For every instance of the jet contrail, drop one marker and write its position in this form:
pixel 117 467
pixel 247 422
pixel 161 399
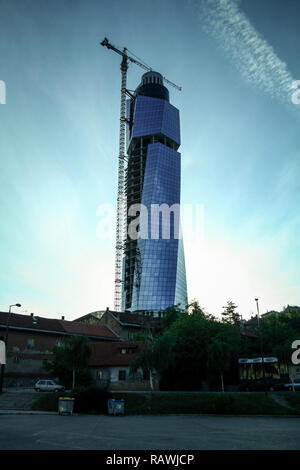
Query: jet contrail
pixel 253 56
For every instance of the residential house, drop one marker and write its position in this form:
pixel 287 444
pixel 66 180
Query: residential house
pixel 110 365
pixel 123 324
pixel 32 338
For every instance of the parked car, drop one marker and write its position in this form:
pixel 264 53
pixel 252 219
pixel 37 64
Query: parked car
pixel 260 385
pixel 48 386
pixel 289 386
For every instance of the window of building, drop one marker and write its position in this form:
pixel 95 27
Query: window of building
pixel 30 343
pixel 100 374
pixel 122 374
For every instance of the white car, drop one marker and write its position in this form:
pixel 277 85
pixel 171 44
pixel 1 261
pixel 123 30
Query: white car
pixel 48 386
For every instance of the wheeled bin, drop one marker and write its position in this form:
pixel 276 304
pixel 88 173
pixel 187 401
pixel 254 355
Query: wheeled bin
pixel 65 405
pixel 115 407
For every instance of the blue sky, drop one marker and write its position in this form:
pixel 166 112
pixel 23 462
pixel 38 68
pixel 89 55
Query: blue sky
pixel 235 60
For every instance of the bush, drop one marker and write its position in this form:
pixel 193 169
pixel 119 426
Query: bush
pixel 94 401
pixel 202 403
pixel 48 401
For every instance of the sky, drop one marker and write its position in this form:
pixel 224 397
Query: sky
pixel 236 61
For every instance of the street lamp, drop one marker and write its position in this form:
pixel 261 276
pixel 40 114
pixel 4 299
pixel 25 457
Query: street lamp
pixel 5 342
pixel 260 341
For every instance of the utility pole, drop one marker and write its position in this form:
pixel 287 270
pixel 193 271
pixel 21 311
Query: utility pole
pixel 260 341
pixel 5 342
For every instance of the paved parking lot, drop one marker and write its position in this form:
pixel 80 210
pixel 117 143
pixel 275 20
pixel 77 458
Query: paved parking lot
pixel 179 432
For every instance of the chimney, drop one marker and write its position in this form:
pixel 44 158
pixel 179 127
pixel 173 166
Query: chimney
pixel 107 309
pixel 31 314
pixel 62 317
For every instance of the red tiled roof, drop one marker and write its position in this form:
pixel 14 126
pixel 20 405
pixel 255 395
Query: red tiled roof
pixel 26 321
pixel 124 318
pixel 55 326
pixel 110 354
pixel 77 328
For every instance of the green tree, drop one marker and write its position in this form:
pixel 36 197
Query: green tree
pixel 195 309
pixel 70 361
pixel 190 349
pixel 230 315
pixel 171 314
pixel 277 336
pixel 223 349
pixel 183 352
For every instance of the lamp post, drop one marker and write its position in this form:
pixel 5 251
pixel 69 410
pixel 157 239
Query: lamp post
pixel 5 342
pixel 260 341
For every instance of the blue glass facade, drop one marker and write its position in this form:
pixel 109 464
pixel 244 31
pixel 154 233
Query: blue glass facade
pixel 156 116
pixel 155 276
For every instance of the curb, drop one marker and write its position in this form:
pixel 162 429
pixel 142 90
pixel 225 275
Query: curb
pixel 29 412
pixel 199 415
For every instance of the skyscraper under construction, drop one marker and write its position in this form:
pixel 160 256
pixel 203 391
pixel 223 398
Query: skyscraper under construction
pixel 153 265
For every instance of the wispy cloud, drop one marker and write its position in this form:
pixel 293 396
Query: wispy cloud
pixel 253 56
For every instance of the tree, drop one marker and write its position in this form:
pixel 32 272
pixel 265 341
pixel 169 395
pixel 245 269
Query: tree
pixel 171 314
pixel 146 362
pixel 183 352
pixel 195 309
pixel 191 348
pixel 277 336
pixel 230 315
pixel 71 360
pixel 223 349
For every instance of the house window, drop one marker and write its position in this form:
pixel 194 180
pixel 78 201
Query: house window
pixel 100 374
pixel 30 343
pixel 122 374
pixel 123 351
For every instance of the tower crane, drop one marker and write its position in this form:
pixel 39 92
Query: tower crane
pixel 121 202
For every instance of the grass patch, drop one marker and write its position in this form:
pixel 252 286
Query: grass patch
pixel 48 401
pixel 210 403
pixel 94 401
pixel 293 400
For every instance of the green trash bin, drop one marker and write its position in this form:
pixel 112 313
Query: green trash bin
pixel 65 405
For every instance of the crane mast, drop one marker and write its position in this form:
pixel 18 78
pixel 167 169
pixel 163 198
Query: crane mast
pixel 121 231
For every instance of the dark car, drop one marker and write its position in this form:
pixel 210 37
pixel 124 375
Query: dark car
pixel 260 385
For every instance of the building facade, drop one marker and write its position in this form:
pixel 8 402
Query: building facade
pixel 31 340
pixel 153 266
pixel 110 365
